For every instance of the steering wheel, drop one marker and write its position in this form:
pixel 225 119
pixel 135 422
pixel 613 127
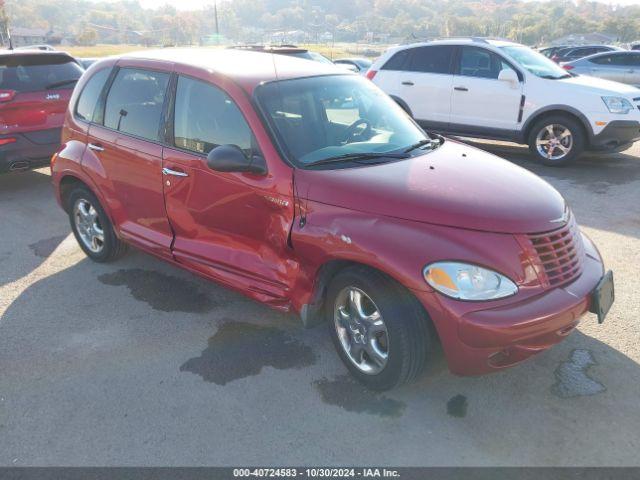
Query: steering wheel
pixel 353 132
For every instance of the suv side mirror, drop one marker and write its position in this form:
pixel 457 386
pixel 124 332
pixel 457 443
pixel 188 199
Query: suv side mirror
pixel 508 75
pixel 230 158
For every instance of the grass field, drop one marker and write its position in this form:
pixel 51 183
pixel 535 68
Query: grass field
pixel 338 50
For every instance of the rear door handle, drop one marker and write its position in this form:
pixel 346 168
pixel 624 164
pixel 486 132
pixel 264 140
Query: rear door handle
pixel 175 173
pixel 96 147
pixel 461 89
pixel 407 83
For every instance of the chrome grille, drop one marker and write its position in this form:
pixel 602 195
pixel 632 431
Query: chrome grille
pixel 560 253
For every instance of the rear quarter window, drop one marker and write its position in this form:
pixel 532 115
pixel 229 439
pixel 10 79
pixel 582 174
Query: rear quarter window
pixel 90 93
pixel 33 73
pixel 397 61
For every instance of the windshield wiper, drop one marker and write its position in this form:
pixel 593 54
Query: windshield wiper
pixel 356 158
pixel 551 77
pixel 61 83
pixel 424 142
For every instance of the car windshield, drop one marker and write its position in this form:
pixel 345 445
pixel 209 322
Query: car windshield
pixel 325 117
pixel 535 62
pixel 32 73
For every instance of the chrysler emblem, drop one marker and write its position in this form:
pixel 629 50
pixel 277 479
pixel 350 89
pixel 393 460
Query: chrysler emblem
pixel 563 218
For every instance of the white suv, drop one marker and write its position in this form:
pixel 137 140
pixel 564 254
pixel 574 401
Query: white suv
pixel 505 91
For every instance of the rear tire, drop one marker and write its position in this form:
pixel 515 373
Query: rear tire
pixel 92 228
pixel 556 140
pixel 386 344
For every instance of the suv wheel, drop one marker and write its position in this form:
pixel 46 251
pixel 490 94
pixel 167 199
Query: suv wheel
pixel 556 140
pixel 92 227
pixel 379 330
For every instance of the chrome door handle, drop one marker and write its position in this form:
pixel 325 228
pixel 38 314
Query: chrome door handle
pixel 175 173
pixel 97 148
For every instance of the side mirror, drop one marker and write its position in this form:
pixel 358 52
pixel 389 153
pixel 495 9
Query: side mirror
pixel 508 75
pixel 230 158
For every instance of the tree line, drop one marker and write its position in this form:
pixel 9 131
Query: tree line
pixel 126 21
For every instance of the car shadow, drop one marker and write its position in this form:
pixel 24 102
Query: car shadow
pixel 141 329
pixel 32 224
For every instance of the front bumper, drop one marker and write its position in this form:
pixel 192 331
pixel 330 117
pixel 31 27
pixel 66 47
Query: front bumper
pixel 484 341
pixel 617 135
pixel 30 150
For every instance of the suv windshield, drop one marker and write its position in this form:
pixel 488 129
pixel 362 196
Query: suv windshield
pixel 32 73
pixel 316 57
pixel 321 118
pixel 535 62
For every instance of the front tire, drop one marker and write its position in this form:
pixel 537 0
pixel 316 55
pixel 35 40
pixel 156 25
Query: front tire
pixel 556 140
pixel 379 330
pixel 92 228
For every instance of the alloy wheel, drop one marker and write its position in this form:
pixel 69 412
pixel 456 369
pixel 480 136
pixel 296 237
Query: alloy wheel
pixel 361 330
pixel 554 142
pixel 88 226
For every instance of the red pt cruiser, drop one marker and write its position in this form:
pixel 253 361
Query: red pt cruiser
pixel 308 189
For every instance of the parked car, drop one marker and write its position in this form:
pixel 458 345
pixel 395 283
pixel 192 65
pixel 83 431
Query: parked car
pixel 621 67
pixel 550 51
pixel 313 192
pixel 570 54
pixel 43 47
pixel 289 50
pixel 635 46
pixel 506 91
pixel 35 87
pixel 359 65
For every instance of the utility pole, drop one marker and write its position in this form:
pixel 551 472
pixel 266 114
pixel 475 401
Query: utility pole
pixel 4 23
pixel 215 14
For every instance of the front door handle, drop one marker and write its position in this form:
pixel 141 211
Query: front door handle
pixel 461 89
pixel 407 83
pixel 175 173
pixel 95 147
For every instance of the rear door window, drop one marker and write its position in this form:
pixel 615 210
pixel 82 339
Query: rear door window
pixel 615 59
pixel 433 59
pixel 90 93
pixel 135 101
pixel 33 73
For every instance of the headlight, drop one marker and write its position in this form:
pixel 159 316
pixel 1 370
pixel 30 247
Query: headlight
pixel 617 104
pixel 468 282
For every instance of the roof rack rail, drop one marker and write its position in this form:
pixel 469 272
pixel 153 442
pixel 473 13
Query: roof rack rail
pixel 416 39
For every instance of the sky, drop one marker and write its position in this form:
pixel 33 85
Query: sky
pixel 196 4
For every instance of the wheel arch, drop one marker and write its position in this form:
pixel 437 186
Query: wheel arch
pixel 67 184
pixel 312 312
pixel 564 110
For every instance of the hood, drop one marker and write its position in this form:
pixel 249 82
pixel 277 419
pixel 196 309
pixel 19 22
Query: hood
pixel 455 185
pixel 600 86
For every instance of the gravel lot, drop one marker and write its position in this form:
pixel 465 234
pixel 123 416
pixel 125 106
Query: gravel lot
pixel 140 363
